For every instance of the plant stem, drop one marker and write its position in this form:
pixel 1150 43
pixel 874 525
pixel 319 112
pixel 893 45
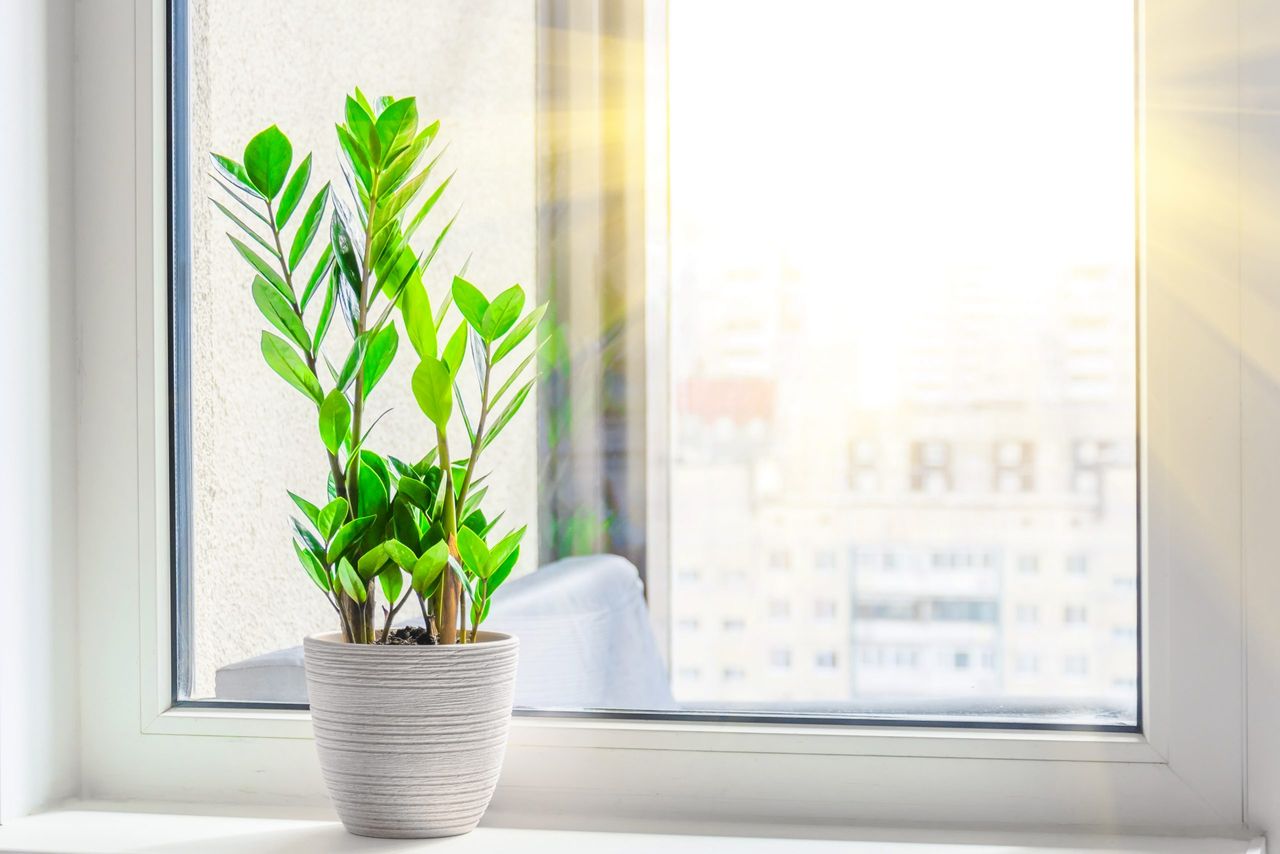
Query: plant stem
pixel 344 602
pixel 357 405
pixel 479 441
pixel 450 588
pixel 386 629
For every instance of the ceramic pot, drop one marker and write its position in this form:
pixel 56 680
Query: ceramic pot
pixel 411 738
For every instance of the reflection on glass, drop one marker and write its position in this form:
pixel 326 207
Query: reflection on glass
pixel 903 358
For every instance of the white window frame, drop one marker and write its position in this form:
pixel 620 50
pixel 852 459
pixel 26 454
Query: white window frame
pixel 1185 771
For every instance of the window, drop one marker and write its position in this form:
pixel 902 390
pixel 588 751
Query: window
pixel 1028 615
pixel 1077 564
pixel 1075 615
pixel 930 466
pixel 780 658
pixel 1013 466
pixel 1002 361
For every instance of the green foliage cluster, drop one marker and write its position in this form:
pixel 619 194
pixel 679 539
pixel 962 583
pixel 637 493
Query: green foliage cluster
pixel 414 529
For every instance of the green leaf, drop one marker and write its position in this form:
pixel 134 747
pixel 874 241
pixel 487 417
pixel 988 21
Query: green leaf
pixel 502 313
pixel 332 517
pixel 404 160
pixel 372 490
pixel 415 492
pixel 277 310
pixel 515 375
pixel 323 263
pixel 360 122
pixel 266 161
pixel 474 553
pixel 519 332
pixel 312 512
pixel 473 501
pixel 312 565
pixel 357 157
pixel 264 269
pixel 428 568
pixel 405 525
pixel 379 466
pixel 235 174
pixel 335 420
pixel 350 581
pixel 502 550
pixel 244 227
pixel 397 123
pixel 433 389
pixel 428 205
pixel 308 228
pixel 344 251
pixel 470 302
pixel 293 192
pixel 415 308
pixel 284 360
pixel 347 535
pixel 372 561
pixel 354 357
pixel 503 570
pixel 381 352
pixel 391 205
pixel 308 539
pixel 326 311
pixel 507 414
pixel 401 554
pixel 391 580
pixel 454 350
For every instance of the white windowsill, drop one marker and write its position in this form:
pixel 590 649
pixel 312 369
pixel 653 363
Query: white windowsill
pixel 97 827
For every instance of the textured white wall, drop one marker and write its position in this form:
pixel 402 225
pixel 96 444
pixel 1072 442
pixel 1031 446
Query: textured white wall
pixel 39 732
pixel 470 63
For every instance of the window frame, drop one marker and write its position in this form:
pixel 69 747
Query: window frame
pixel 137 744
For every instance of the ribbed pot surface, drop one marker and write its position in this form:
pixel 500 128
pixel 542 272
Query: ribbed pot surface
pixel 411 738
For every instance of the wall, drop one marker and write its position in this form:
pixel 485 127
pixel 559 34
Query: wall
pixel 39 730
pixel 1259 217
pixel 470 64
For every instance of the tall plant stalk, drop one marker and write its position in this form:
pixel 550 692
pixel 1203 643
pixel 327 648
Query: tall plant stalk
pixel 384 520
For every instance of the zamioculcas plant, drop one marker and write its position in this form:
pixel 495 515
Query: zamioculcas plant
pixel 410 529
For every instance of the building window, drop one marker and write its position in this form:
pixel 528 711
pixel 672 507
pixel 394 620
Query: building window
pixel 824 609
pixel 780 658
pixel 864 474
pixel 1028 615
pixel 1075 615
pixel 779 609
pixel 825 660
pixel 1076 665
pixel 1013 466
pixel 1077 564
pixel 931 467
pixel 1028 564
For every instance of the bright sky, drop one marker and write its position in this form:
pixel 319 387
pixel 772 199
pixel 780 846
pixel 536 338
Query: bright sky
pixel 878 147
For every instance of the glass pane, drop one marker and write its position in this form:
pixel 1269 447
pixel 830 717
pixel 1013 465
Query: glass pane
pixel 903 359
pixel 292 63
pixel 898 473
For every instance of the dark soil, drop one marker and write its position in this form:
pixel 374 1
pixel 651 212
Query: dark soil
pixel 410 636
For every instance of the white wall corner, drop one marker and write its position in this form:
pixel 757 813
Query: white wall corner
pixel 39 709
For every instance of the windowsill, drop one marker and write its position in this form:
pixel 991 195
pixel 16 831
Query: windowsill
pixel 159 828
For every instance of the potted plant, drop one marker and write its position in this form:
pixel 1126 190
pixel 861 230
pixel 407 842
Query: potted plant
pixel 410 723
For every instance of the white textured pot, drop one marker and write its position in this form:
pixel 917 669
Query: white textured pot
pixel 411 738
